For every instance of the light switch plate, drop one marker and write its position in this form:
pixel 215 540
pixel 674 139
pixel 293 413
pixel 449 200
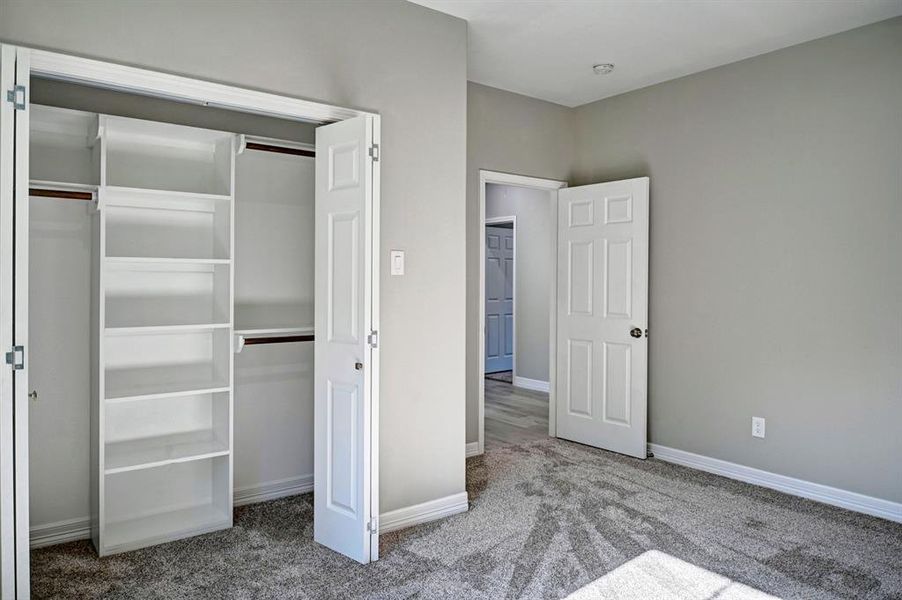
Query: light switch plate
pixel 396 258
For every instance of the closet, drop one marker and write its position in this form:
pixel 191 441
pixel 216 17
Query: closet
pixel 172 270
pixel 189 308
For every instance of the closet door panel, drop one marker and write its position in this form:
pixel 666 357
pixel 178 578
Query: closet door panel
pixel 342 411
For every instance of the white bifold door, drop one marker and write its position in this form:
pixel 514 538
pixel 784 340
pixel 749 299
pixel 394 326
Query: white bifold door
pixel 14 542
pixel 602 315
pixel 345 490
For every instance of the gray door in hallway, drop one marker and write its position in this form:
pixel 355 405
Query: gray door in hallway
pixel 499 299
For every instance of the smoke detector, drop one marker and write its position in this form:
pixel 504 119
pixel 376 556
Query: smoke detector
pixel 603 68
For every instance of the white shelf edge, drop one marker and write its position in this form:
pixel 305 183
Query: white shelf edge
pixel 119 189
pixel 43 184
pixel 149 329
pixel 163 395
pixel 245 138
pixel 163 260
pixel 168 461
pixel 248 332
pixel 200 388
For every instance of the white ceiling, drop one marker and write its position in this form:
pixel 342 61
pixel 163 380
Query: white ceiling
pixel 546 49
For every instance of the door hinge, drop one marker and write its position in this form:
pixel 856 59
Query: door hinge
pixel 17 97
pixel 374 152
pixel 373 339
pixel 373 525
pixel 16 357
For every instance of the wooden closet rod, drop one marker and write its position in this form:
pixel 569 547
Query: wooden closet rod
pixel 279 149
pixel 284 339
pixel 62 194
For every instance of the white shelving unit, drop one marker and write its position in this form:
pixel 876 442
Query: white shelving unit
pixel 164 333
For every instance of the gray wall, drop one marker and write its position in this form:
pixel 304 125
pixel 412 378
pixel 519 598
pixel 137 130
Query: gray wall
pixel 509 133
pixel 534 237
pixel 402 60
pixel 776 284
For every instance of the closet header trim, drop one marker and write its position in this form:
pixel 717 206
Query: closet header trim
pixel 54 65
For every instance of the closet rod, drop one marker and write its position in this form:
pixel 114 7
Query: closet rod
pixel 284 339
pixel 279 149
pixel 62 194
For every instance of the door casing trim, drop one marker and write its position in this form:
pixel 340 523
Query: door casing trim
pixel 551 185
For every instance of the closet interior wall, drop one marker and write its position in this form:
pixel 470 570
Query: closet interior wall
pixel 273 260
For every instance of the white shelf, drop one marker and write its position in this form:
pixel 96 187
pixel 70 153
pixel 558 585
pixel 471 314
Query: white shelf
pixel 117 195
pixel 146 453
pixel 165 260
pixel 287 330
pixel 257 319
pixel 167 526
pixel 164 395
pixel 151 329
pixel 169 380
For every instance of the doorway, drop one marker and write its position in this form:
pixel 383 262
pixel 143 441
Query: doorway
pixel 593 322
pixel 515 349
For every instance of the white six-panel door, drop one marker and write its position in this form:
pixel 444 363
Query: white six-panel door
pixel 344 505
pixel 499 299
pixel 602 315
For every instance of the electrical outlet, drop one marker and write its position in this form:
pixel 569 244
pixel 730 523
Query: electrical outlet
pixel 758 427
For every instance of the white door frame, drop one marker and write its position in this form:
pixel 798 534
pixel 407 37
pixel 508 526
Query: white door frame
pixel 512 219
pixel 109 75
pixel 552 185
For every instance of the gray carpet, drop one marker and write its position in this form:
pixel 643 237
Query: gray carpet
pixel 548 519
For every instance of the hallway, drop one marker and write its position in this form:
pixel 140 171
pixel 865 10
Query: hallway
pixel 513 415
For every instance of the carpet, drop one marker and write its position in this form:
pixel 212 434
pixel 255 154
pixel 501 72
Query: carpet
pixel 505 376
pixel 548 519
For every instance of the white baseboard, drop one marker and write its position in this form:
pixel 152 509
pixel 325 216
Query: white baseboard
pixel 790 485
pixel 60 532
pixel 531 384
pixel 80 529
pixel 423 513
pixel 273 489
pixel 473 449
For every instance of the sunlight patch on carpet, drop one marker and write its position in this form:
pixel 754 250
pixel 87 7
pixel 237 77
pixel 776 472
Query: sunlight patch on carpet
pixel 655 574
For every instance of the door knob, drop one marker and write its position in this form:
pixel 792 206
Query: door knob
pixel 358 366
pixel 636 332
